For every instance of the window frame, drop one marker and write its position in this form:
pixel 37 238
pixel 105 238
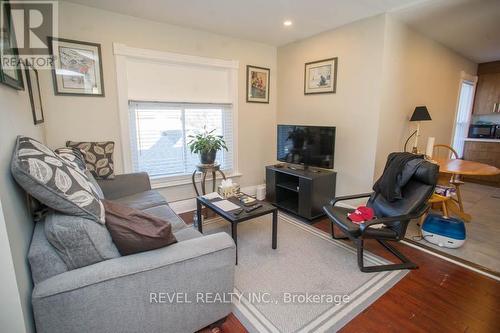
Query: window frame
pixel 122 54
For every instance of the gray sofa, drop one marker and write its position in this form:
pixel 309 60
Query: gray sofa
pixel 123 294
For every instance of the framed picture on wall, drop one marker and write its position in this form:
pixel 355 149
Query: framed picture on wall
pixel 320 77
pixel 257 84
pixel 77 67
pixel 34 92
pixel 10 64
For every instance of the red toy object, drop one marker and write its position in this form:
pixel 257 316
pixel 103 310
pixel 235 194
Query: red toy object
pixel 361 214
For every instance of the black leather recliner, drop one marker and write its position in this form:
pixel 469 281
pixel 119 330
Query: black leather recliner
pixel 393 216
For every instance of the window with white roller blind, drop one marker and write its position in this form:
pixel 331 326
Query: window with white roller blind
pixel 160 133
pixel 171 96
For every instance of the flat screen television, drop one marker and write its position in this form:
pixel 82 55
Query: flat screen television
pixel 307 145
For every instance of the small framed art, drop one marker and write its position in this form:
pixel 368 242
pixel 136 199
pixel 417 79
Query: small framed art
pixel 10 64
pixel 320 77
pixel 34 92
pixel 257 84
pixel 77 67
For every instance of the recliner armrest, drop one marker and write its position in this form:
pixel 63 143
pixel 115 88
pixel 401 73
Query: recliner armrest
pixel 390 220
pixel 125 185
pixel 350 197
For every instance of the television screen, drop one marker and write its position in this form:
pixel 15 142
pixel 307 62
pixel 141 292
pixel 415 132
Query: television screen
pixel 308 145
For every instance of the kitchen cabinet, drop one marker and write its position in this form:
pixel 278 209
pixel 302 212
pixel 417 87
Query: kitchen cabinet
pixel 487 98
pixel 483 152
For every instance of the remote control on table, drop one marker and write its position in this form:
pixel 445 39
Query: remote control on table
pixel 252 208
pixel 238 211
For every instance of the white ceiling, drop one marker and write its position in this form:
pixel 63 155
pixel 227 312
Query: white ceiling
pixel 470 27
pixel 257 20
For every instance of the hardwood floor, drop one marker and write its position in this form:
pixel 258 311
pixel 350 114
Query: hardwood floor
pixel 437 297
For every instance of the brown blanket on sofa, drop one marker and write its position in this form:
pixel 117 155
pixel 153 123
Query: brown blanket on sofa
pixel 134 231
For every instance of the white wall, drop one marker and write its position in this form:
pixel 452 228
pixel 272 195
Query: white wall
pixel 353 109
pixel 385 69
pixel 16 119
pixel 11 316
pixel 96 118
pixel 417 71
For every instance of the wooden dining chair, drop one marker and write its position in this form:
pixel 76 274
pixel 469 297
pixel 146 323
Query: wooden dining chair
pixel 446 151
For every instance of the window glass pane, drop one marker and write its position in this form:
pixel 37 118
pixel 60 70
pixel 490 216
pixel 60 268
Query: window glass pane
pixel 160 141
pixel 196 119
pixel 160 132
pixel 463 116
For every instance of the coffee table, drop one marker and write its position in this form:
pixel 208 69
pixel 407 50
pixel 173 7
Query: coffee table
pixel 236 219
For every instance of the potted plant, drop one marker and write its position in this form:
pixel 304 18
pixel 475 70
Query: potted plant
pixel 206 144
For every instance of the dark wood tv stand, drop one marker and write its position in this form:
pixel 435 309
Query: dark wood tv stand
pixel 302 192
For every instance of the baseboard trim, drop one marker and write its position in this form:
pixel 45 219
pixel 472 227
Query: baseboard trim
pixel 434 253
pixel 431 252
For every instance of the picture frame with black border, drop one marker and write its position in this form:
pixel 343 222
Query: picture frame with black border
pixel 33 84
pixel 320 77
pixel 12 77
pixel 73 72
pixel 258 80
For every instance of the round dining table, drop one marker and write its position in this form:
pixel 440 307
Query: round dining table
pixel 458 167
pixel 466 168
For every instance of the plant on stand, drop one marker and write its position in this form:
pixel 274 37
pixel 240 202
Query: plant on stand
pixel 206 144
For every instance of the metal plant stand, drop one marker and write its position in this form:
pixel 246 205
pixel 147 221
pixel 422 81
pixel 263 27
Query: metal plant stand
pixel 204 169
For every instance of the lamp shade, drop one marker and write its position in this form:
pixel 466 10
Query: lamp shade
pixel 420 114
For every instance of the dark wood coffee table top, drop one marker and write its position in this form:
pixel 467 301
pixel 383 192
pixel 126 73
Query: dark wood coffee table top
pixel 236 219
pixel 266 208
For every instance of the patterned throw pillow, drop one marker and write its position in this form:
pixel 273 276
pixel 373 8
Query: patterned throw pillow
pixel 72 155
pixel 98 157
pixel 54 181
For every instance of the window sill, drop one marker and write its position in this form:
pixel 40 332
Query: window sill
pixel 165 182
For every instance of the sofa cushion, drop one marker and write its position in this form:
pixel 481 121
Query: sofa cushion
pixel 43 258
pixel 54 181
pixel 142 200
pixel 186 234
pixel 165 212
pixel 134 231
pixel 98 157
pixel 79 241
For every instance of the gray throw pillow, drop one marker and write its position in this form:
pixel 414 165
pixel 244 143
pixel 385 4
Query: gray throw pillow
pixel 94 184
pixel 72 155
pixel 78 241
pixel 98 157
pixel 54 181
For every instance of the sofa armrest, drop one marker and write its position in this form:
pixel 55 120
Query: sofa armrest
pixel 124 185
pixel 116 295
pixel 135 264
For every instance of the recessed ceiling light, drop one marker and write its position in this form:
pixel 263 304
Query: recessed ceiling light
pixel 287 23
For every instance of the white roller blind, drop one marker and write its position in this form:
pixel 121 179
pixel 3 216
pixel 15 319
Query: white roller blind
pixel 159 135
pixel 157 81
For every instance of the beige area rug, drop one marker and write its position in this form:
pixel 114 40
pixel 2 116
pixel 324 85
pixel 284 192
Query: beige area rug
pixel 310 283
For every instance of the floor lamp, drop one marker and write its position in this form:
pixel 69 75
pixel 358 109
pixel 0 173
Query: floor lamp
pixel 419 114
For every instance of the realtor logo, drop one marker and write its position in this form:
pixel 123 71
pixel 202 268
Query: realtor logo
pixel 32 22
